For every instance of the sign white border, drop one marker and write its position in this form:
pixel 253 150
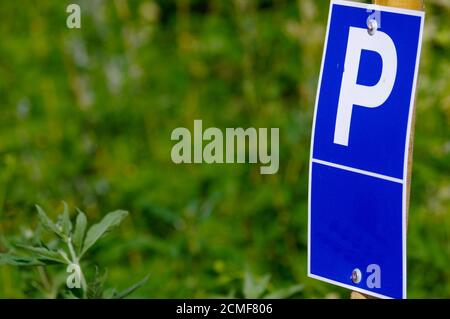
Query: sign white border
pixel 420 14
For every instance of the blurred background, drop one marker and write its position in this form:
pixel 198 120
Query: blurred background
pixel 86 117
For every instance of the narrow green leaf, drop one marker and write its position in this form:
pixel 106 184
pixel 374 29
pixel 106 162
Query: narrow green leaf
pixel 63 254
pixel 131 289
pixel 9 259
pixel 254 287
pixel 80 231
pixel 66 224
pixel 285 293
pixel 44 253
pixel 109 293
pixel 47 223
pixel 94 233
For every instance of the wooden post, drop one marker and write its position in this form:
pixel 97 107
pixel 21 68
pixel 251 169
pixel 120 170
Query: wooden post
pixel 406 4
pixel 415 5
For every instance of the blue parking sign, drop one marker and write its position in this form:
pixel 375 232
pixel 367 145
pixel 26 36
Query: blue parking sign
pixel 360 148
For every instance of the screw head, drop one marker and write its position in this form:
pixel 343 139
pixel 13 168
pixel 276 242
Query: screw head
pixel 356 276
pixel 372 26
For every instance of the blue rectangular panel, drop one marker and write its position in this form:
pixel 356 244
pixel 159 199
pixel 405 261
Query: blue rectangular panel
pixel 357 222
pixel 377 135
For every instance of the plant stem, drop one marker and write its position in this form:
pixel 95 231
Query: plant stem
pixel 72 251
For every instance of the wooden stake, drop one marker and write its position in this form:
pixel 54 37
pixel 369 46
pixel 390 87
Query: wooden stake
pixel 406 4
pixel 415 5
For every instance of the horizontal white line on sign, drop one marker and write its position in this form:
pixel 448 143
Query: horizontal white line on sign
pixel 360 171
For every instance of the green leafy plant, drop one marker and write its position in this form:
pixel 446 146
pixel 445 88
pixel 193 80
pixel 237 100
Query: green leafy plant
pixel 257 287
pixel 67 244
pixel 254 287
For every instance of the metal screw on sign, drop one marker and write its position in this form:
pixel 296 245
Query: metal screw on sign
pixel 356 276
pixel 372 26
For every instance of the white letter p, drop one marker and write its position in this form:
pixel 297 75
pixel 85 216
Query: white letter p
pixel 355 94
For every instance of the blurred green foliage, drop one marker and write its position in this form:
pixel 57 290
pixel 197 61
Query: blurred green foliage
pixel 86 117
